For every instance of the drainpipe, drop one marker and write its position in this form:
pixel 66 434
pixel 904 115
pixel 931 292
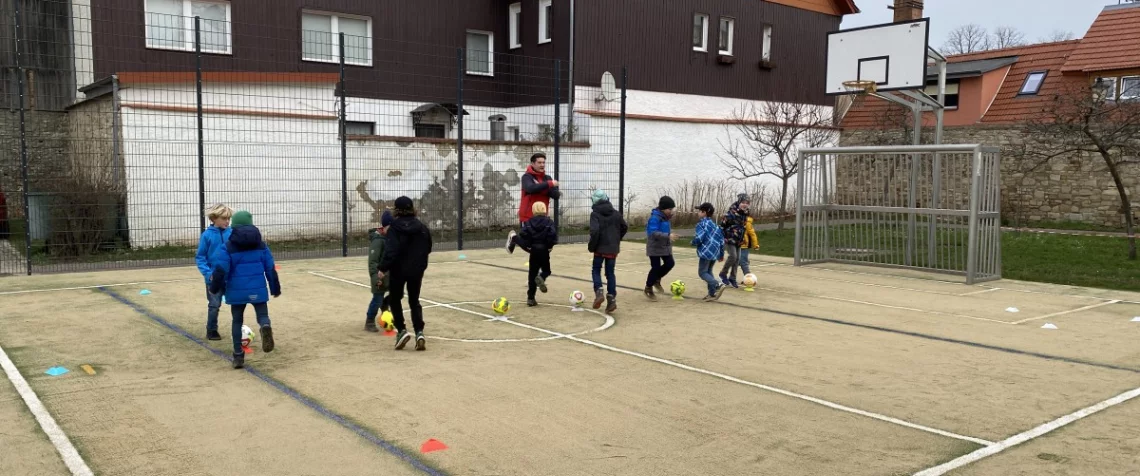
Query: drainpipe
pixel 570 117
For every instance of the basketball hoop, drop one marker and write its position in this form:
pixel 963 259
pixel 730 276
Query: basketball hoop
pixel 861 88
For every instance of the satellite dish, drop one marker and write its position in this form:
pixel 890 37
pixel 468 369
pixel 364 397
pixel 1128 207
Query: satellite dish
pixel 609 89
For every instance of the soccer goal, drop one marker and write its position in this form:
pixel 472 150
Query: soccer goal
pixel 934 208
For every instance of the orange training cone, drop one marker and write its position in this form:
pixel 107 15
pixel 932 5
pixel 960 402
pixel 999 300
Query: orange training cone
pixel 432 445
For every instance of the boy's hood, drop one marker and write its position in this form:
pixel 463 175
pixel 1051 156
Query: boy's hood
pixel 660 214
pixel 374 234
pixel 604 207
pixel 408 225
pixel 215 229
pixel 245 238
pixel 541 222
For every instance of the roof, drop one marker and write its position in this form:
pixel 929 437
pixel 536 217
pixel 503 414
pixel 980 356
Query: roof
pixel 830 7
pixel 969 69
pixel 1112 42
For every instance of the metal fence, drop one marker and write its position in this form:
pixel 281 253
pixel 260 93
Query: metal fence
pixel 116 137
pixel 935 208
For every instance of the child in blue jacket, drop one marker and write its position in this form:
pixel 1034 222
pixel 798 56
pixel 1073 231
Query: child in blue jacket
pixel 659 239
pixel 242 268
pixel 213 239
pixel 710 249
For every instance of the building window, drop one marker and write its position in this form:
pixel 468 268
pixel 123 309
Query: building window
pixel 724 43
pixel 434 131
pixel 1105 89
pixel 700 32
pixel 513 133
pixel 170 25
pixel 545 21
pixel 498 127
pixel 320 38
pixel 359 128
pixel 1032 84
pixel 1130 88
pixel 766 48
pixel 516 22
pixel 480 54
pixel 951 93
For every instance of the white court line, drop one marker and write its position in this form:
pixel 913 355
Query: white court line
pixel 875 285
pixel 1026 436
pixel 62 444
pixel 888 306
pixel 1062 295
pixel 1062 313
pixel 730 378
pixel 972 293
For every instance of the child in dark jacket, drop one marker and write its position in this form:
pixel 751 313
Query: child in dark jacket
pixel 732 225
pixel 538 237
pixel 406 251
pixel 376 238
pixel 607 228
pixel 659 240
pixel 213 239
pixel 243 266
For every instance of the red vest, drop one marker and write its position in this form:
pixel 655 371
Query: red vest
pixel 526 204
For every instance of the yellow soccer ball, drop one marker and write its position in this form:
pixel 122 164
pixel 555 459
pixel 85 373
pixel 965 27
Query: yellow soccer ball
pixel 501 306
pixel 386 320
pixel 677 288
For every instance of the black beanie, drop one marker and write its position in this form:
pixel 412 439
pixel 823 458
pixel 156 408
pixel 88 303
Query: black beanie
pixel 666 203
pixel 404 204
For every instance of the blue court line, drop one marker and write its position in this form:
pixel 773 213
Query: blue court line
pixel 364 433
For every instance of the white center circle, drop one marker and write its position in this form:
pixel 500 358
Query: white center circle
pixel 609 323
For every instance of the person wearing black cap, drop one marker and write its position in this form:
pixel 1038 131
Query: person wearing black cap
pixel 406 251
pixel 376 238
pixel 659 238
pixel 709 241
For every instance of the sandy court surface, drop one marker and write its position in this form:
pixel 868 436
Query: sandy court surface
pixel 21 435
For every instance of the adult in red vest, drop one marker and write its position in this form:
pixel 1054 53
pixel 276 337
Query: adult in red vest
pixel 536 187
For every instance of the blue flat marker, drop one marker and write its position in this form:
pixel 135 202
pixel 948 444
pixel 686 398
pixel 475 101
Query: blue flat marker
pixel 462 256
pixel 56 371
pixel 144 292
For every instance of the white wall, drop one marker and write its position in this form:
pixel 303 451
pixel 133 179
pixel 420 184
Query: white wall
pixel 81 43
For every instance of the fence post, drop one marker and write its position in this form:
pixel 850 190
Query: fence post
pixel 459 149
pixel 972 240
pixel 621 146
pixel 798 247
pixel 343 158
pixel 557 132
pixel 201 143
pixel 912 191
pixel 20 73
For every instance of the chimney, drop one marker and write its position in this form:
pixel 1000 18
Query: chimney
pixel 907 10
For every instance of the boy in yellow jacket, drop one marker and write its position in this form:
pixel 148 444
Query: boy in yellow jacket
pixel 750 242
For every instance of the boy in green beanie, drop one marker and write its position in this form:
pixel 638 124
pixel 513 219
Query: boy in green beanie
pixel 244 268
pixel 607 228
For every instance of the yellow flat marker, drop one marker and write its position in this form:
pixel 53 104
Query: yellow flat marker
pixel 88 369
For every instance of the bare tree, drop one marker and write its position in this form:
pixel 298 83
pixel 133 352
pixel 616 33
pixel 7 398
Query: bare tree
pixel 1081 123
pixel 966 39
pixel 765 140
pixel 1056 35
pixel 1006 37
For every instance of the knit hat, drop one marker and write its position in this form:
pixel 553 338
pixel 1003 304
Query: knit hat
pixel 666 203
pixel 743 198
pixel 599 196
pixel 386 219
pixel 404 203
pixel 539 208
pixel 242 218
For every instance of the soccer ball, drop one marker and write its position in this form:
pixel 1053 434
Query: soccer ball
pixel 386 320
pixel 677 288
pixel 246 336
pixel 577 298
pixel 501 306
pixel 749 280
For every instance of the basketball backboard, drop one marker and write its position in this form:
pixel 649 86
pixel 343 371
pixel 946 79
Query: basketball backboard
pixel 893 55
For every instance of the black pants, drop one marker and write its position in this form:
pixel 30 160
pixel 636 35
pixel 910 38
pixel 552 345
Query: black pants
pixel 396 292
pixel 660 267
pixel 539 264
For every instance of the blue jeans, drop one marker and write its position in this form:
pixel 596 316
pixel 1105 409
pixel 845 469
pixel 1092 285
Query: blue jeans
pixel 706 273
pixel 238 313
pixel 214 303
pixel 611 281
pixel 374 307
pixel 744 266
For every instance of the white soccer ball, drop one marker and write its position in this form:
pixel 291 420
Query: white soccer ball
pixel 577 298
pixel 749 280
pixel 246 336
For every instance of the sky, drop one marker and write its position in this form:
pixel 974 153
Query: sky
pixel 1035 18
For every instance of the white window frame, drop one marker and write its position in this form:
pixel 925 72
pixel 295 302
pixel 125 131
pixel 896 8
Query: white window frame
pixel 336 38
pixel 544 35
pixel 766 46
pixel 490 54
pixel 188 28
pixel 704 47
pixel 1025 83
pixel 1136 91
pixel 516 25
pixel 731 33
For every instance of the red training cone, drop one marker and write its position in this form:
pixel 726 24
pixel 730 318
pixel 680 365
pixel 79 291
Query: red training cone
pixel 432 445
pixel 246 349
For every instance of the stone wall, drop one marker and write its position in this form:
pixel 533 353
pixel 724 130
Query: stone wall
pixel 46 139
pixel 1074 188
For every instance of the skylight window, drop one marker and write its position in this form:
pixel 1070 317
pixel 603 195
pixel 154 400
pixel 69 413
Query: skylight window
pixel 1033 82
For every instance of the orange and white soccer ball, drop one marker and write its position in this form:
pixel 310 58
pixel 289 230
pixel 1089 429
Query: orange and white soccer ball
pixel 246 336
pixel 577 298
pixel 749 280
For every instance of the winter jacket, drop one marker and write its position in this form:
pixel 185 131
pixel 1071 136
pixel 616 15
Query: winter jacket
pixel 657 231
pixel 406 247
pixel 535 188
pixel 376 244
pixel 709 240
pixel 733 225
pixel 243 267
pixel 607 228
pixel 213 239
pixel 538 234
pixel 750 241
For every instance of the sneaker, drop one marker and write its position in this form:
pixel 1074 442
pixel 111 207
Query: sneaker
pixel 511 241
pixel 710 298
pixel 530 302
pixel 421 343
pixel 239 360
pixel 732 282
pixel 657 286
pixel 720 290
pixel 599 298
pixel 649 293
pixel 611 303
pixel 724 279
pixel 266 339
pixel 541 283
pixel 402 338
pixel 370 326
pixel 212 334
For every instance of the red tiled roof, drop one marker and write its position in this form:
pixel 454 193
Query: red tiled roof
pixel 1112 42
